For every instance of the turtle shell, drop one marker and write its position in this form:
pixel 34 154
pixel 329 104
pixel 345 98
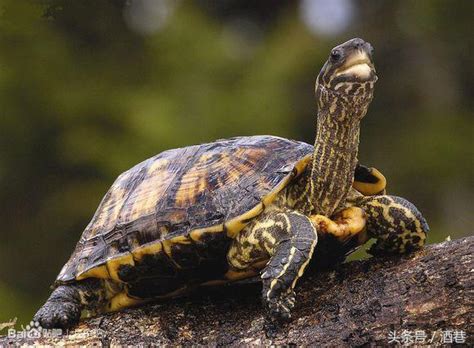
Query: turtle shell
pixel 178 197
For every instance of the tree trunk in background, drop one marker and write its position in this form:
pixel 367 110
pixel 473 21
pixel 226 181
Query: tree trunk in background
pixel 429 293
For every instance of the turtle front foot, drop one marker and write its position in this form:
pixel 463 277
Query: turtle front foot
pixel 62 310
pixel 397 224
pixel 279 306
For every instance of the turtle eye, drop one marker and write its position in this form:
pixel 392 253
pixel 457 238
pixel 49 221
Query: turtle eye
pixel 336 55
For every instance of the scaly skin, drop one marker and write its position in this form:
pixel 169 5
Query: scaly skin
pixel 287 239
pixel 395 223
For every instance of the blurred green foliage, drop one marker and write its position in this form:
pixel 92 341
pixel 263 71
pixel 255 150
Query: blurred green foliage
pixel 84 96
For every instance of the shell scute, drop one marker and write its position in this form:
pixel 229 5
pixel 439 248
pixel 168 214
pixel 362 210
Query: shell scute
pixel 194 193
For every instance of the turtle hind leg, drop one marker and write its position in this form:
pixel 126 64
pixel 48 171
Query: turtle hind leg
pixel 61 310
pixel 65 304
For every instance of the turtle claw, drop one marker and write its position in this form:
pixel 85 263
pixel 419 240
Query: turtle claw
pixel 278 313
pixel 279 309
pixel 58 315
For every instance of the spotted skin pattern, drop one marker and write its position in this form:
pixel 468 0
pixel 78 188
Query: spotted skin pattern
pixel 236 208
pixel 395 223
pixel 284 238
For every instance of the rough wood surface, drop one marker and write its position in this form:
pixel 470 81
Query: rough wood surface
pixel 359 303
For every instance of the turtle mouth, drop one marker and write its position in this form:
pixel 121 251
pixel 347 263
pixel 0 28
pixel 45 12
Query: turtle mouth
pixel 358 65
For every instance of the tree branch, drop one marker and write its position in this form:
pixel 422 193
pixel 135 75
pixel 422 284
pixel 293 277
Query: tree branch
pixel 361 302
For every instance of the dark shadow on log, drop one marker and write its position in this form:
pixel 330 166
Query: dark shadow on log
pixel 359 303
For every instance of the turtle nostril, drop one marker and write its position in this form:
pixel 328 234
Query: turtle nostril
pixel 358 43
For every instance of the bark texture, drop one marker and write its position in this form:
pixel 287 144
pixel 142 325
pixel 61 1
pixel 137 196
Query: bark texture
pixel 358 303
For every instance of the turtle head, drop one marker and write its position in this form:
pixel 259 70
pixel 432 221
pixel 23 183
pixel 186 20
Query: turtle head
pixel 344 90
pixel 348 75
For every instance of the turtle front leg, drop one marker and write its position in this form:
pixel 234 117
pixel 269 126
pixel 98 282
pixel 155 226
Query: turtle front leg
pixel 282 242
pixel 395 223
pixel 65 304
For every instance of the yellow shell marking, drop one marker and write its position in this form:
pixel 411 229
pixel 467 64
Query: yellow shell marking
pixel 114 264
pixel 195 180
pixel 180 240
pixel 147 249
pixel 109 208
pixel 167 244
pixel 96 272
pixel 197 234
pixel 143 200
pixel 237 224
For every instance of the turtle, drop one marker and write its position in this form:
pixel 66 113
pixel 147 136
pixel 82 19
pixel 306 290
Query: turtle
pixel 240 208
